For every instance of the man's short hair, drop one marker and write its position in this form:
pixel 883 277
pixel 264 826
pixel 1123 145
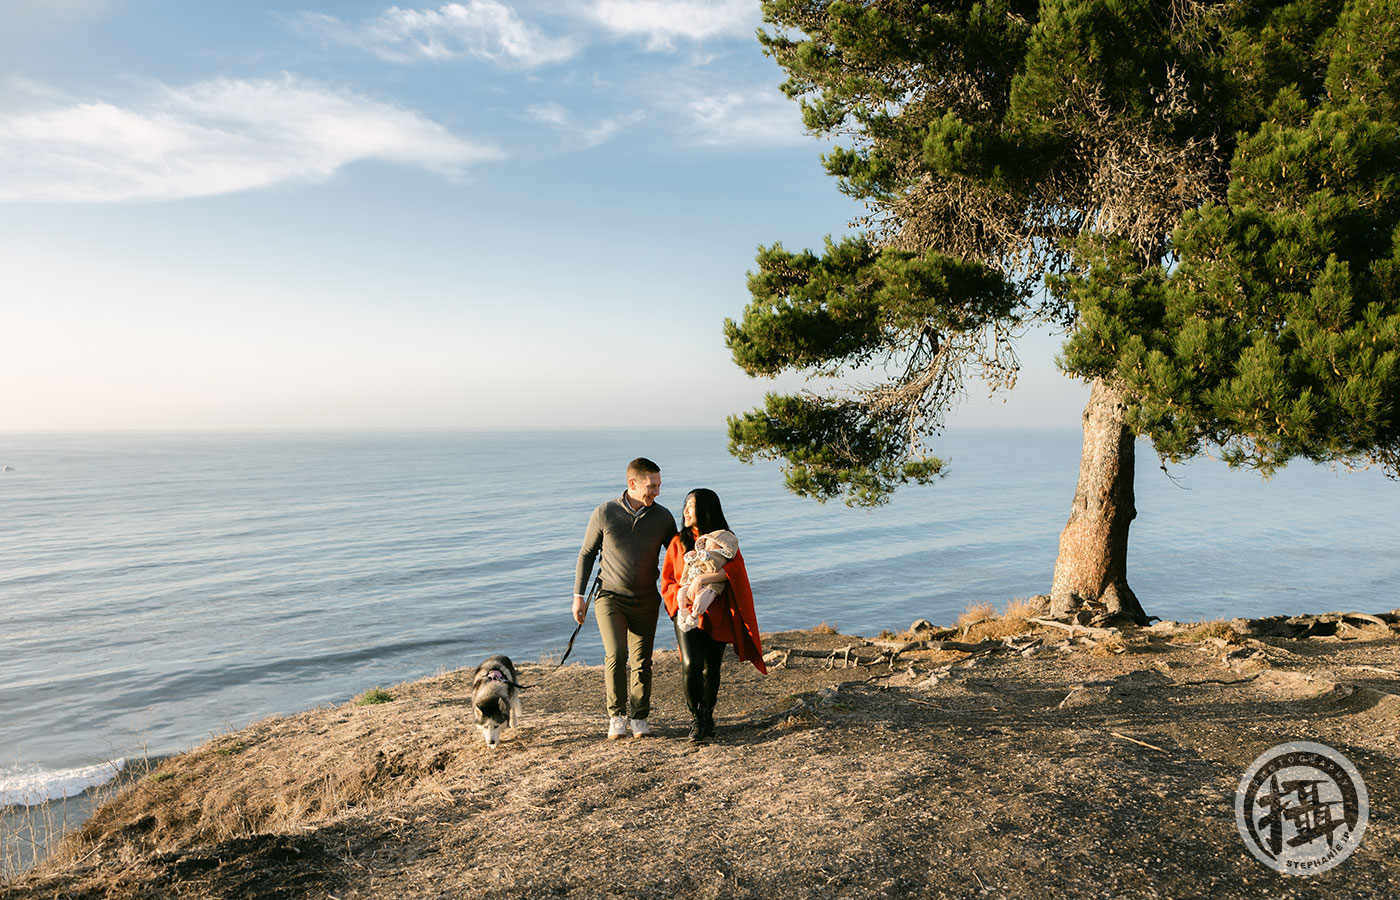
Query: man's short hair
pixel 641 467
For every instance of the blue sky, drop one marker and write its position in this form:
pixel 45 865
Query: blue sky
pixel 486 213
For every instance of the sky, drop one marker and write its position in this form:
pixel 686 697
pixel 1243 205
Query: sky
pixel 485 214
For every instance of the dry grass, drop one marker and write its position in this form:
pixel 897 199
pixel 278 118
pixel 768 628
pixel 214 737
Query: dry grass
pixel 981 622
pixel 30 833
pixel 1020 608
pixel 975 613
pixel 1204 631
pixel 241 785
pixel 797 720
pixel 996 628
pixel 825 627
pixel 1109 646
pixel 817 785
pixel 26 833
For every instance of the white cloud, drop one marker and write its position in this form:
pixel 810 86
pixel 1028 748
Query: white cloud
pixel 762 116
pixel 585 135
pixel 212 137
pixel 485 29
pixel 661 22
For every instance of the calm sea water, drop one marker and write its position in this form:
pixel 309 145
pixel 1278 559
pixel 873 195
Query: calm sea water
pixel 158 589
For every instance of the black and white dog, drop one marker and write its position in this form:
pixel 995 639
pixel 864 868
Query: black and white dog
pixel 495 698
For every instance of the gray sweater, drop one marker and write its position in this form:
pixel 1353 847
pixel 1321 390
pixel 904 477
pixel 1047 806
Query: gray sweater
pixel 630 546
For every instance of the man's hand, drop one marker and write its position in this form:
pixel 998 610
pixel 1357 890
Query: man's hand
pixel 580 609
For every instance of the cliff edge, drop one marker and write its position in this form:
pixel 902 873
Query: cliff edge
pixel 997 761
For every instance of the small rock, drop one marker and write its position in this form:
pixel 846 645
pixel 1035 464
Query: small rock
pixel 921 625
pixel 1244 627
pixel 1085 695
pixel 1245 659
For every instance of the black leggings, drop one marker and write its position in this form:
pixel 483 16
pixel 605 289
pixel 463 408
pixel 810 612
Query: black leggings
pixel 701 656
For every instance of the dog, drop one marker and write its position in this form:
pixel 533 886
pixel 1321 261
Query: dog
pixel 495 698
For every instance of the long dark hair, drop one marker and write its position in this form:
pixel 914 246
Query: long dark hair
pixel 709 516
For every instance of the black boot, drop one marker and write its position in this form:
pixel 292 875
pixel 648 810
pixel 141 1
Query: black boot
pixel 705 722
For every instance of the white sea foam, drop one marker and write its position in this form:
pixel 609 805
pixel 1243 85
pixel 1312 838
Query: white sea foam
pixel 31 786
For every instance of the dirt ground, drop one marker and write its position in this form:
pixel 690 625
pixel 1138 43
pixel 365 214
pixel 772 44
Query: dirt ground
pixel 1052 764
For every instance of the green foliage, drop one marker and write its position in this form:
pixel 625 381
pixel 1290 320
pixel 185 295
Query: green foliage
pixel 1363 65
pixel 1115 47
pixel 1205 193
pixel 1277 335
pixel 840 310
pixel 373 696
pixel 834 448
pixel 854 302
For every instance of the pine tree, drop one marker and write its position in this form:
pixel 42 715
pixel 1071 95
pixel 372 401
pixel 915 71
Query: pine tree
pixel 1203 195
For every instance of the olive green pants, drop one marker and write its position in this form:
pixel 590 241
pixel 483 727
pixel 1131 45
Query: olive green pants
pixel 627 623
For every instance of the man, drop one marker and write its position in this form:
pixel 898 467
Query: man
pixel 631 532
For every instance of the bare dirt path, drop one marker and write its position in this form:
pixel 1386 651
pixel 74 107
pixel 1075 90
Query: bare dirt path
pixel 1051 767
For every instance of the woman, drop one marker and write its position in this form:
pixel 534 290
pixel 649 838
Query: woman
pixel 729 620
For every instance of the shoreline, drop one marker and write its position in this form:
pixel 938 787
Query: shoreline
pixel 31 829
pixel 841 723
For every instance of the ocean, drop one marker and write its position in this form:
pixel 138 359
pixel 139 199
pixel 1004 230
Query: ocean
pixel 158 589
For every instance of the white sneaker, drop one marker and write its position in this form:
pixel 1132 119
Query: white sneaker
pixel 640 729
pixel 617 727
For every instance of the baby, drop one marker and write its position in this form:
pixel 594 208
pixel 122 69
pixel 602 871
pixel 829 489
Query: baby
pixel 711 552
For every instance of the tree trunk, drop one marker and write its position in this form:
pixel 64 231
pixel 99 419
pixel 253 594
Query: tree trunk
pixel 1092 568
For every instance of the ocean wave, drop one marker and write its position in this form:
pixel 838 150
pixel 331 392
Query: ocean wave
pixel 32 786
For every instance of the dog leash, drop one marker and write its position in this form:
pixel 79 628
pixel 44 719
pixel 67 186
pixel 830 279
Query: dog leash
pixel 587 602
